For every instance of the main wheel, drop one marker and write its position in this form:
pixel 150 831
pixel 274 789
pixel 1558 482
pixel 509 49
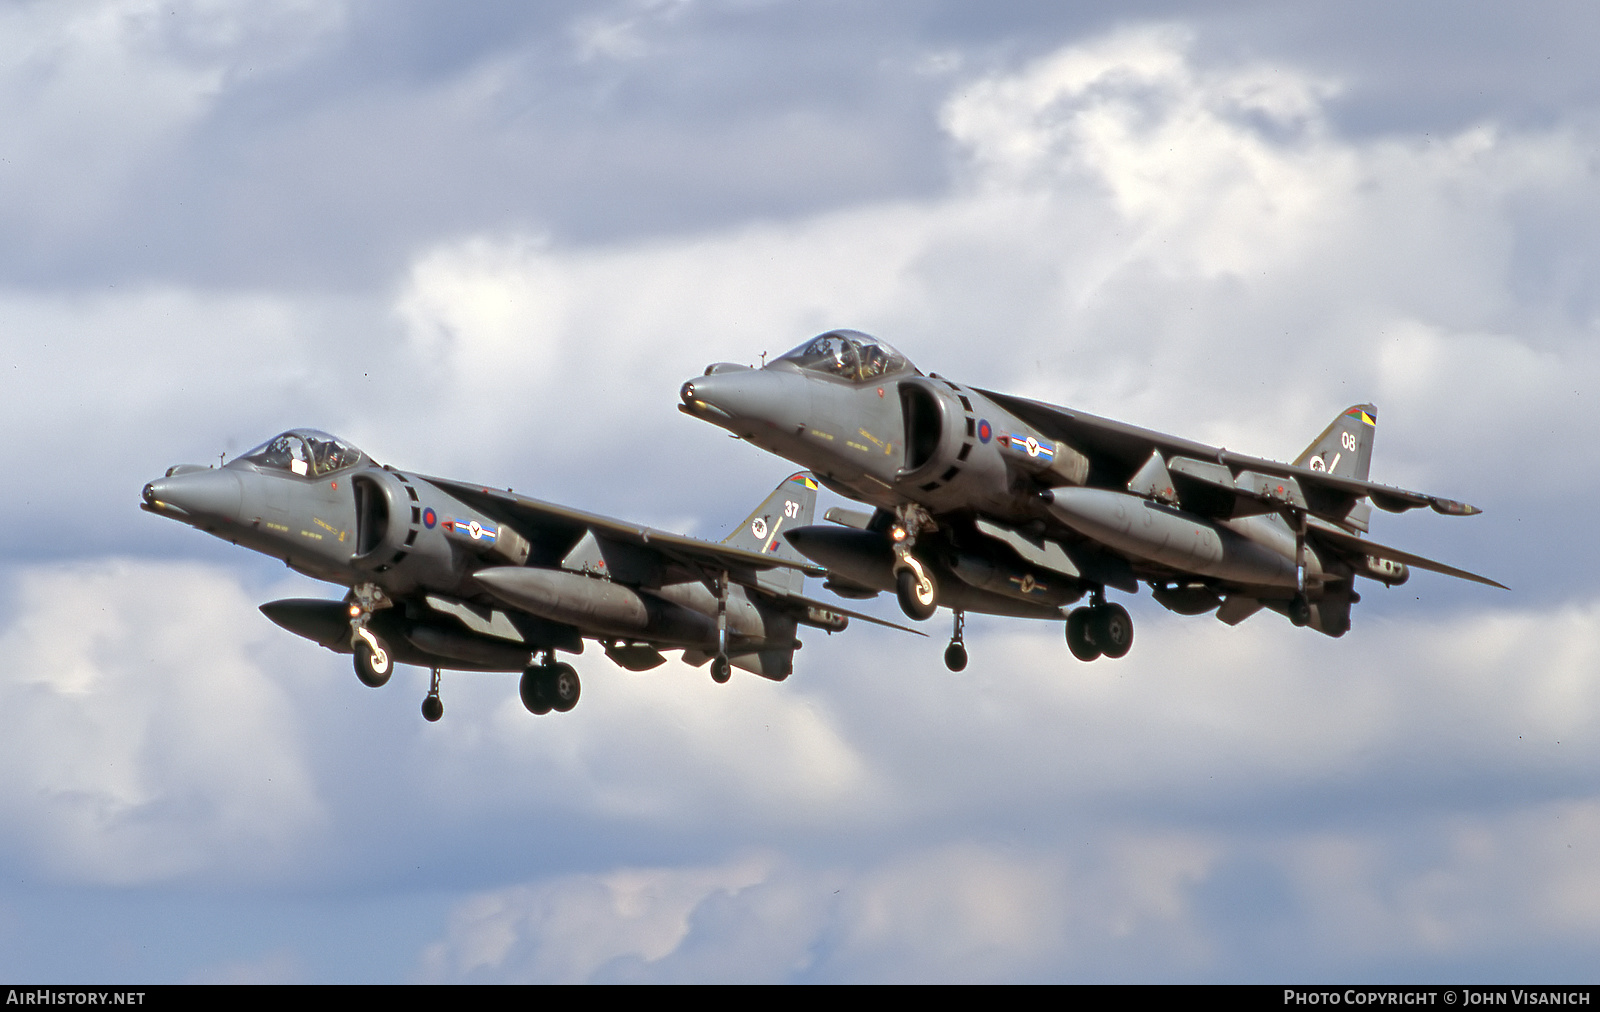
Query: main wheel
pixel 916 596
pixel 1080 635
pixel 721 669
pixel 535 691
pixel 955 657
pixel 564 687
pixel 1113 629
pixel 373 667
pixel 432 708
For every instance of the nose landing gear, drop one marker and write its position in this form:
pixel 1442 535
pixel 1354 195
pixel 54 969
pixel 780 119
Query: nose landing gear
pixel 914 587
pixel 372 661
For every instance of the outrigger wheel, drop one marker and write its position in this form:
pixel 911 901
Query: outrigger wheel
pixel 955 655
pixel 721 669
pixel 432 705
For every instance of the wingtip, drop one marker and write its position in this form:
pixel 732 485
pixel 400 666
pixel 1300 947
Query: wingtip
pixel 1452 508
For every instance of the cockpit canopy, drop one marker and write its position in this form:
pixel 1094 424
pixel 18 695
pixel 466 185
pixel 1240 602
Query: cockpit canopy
pixel 305 452
pixel 848 355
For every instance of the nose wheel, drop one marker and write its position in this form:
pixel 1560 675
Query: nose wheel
pixel 373 663
pixel 914 587
pixel 955 655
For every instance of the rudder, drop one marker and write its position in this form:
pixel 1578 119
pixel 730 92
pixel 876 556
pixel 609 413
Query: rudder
pixel 792 504
pixel 1345 446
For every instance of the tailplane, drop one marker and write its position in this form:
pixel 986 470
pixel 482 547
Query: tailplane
pixel 792 504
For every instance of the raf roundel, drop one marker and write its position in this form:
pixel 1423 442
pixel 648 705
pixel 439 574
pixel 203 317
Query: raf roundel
pixel 429 518
pixel 984 432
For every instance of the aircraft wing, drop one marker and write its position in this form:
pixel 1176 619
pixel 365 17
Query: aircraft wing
pixel 1116 451
pixel 800 600
pixel 1349 544
pixel 553 530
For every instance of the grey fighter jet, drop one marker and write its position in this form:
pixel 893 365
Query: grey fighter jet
pixel 991 503
pixel 448 574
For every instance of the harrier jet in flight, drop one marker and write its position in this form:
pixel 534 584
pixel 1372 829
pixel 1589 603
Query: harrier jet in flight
pixel 449 574
pixel 991 503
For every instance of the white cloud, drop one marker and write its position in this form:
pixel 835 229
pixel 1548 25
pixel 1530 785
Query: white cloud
pixel 564 930
pixel 1101 905
pixel 145 743
pixel 620 34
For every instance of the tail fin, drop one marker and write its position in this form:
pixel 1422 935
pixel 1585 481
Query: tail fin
pixel 1345 446
pixel 792 504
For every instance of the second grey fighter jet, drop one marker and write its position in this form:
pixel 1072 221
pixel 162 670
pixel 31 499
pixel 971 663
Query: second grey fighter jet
pixel 452 575
pixel 992 503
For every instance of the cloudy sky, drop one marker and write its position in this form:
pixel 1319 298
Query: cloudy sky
pixel 492 241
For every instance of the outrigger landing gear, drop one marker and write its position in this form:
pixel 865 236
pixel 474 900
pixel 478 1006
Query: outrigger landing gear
pixel 432 705
pixel 1099 629
pixel 955 655
pixel 1299 605
pixel 721 667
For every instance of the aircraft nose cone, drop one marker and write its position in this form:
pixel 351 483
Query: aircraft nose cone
pixel 733 399
pixel 214 492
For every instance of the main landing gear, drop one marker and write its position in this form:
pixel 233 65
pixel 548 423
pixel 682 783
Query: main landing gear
pixel 1099 629
pixel 550 686
pixel 955 655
